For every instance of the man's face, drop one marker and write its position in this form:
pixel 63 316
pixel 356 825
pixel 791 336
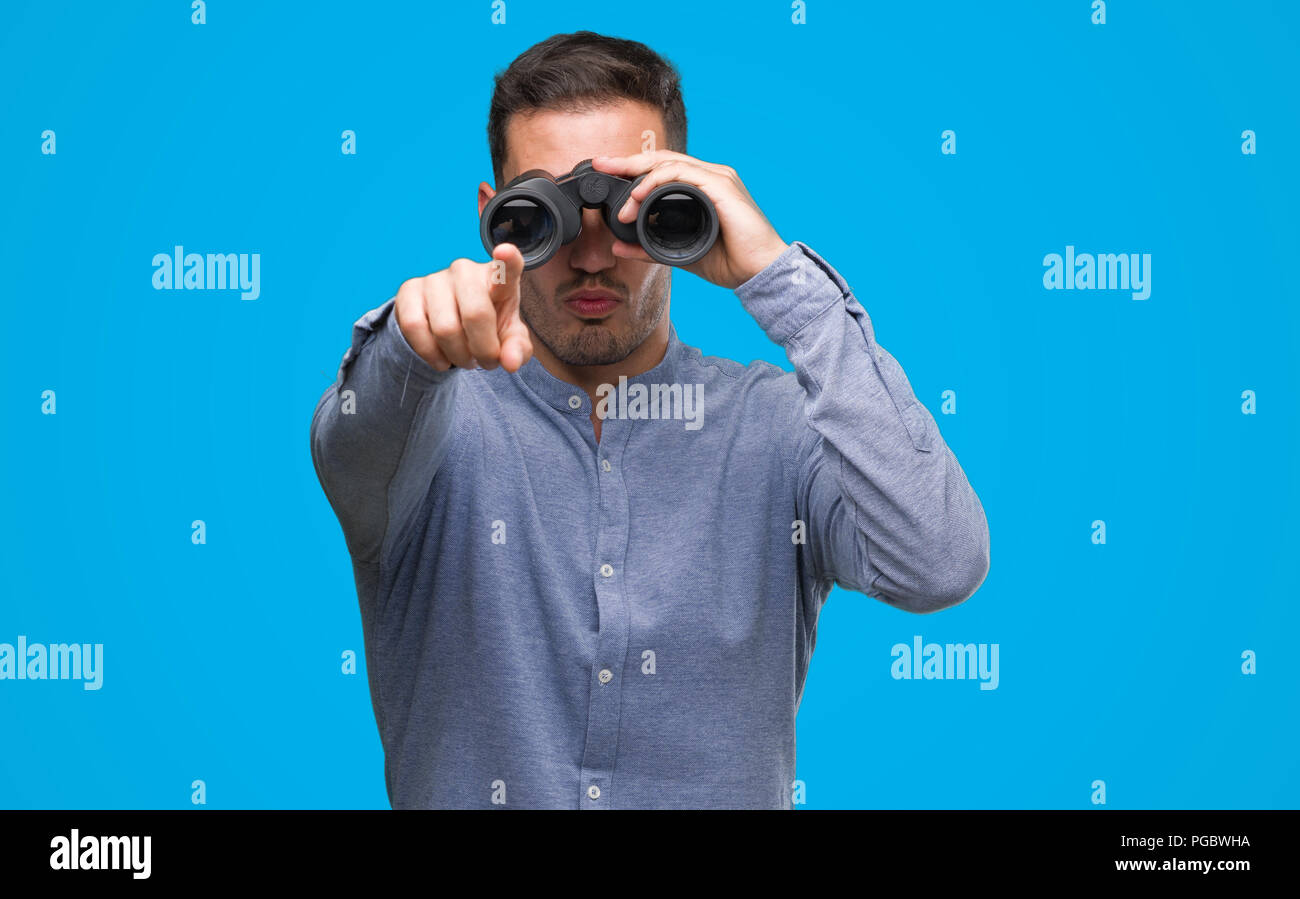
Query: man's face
pixel 576 331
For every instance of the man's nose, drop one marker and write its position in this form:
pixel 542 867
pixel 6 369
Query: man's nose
pixel 593 249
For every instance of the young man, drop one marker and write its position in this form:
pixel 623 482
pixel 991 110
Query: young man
pixel 570 604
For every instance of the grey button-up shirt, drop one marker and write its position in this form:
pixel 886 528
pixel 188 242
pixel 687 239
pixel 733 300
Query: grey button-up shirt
pixel 552 621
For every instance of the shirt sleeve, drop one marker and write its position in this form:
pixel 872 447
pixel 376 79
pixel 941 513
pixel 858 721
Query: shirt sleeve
pixel 887 509
pixel 380 433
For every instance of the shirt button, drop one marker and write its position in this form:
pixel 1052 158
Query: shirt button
pixel 607 570
pixel 604 463
pixel 605 676
pixel 593 791
pixel 575 402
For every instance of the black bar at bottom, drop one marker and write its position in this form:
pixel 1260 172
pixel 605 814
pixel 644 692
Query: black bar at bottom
pixel 619 850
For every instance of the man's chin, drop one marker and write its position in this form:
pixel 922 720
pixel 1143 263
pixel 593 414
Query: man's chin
pixel 583 350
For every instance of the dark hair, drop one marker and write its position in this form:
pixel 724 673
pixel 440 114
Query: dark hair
pixel 582 71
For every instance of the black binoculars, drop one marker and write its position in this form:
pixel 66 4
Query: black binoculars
pixel 537 212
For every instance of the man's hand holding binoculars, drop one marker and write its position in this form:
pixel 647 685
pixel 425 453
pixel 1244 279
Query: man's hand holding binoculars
pixel 747 242
pixel 661 206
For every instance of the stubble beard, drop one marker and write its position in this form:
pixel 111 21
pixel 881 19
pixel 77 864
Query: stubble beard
pixel 596 343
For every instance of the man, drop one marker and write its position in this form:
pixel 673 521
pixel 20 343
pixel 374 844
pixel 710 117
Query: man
pixel 570 605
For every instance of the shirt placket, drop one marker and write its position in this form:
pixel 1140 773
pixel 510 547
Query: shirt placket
pixel 606 680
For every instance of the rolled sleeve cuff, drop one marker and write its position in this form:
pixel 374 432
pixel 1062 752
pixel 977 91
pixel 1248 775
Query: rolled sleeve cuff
pixel 397 357
pixel 794 289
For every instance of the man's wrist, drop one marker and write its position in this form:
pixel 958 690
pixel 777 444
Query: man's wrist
pixel 763 259
pixel 791 291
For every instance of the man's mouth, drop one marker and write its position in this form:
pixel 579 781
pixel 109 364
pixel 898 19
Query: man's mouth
pixel 592 303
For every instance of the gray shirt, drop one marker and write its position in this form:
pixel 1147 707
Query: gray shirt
pixel 552 621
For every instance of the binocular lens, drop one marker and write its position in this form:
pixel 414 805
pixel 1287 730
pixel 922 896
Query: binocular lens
pixel 539 213
pixel 676 222
pixel 523 223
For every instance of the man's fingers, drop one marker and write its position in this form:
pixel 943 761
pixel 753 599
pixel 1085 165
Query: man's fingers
pixel 478 317
pixel 686 172
pixel 505 271
pixel 635 163
pixel 516 343
pixel 436 358
pixel 444 319
pixel 467 315
pixel 413 319
pixel 624 250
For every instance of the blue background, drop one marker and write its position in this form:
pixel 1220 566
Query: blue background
pixel 222 661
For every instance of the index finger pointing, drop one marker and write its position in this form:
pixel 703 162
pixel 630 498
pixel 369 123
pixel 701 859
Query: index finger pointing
pixel 504 273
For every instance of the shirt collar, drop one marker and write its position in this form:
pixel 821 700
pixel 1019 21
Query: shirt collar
pixel 572 399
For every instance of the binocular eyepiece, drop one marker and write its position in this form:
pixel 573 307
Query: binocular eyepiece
pixel 537 212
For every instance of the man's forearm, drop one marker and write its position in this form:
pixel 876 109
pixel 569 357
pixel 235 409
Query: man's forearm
pixel 926 533
pixel 380 432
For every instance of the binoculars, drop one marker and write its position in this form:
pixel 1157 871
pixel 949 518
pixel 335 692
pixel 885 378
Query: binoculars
pixel 537 212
